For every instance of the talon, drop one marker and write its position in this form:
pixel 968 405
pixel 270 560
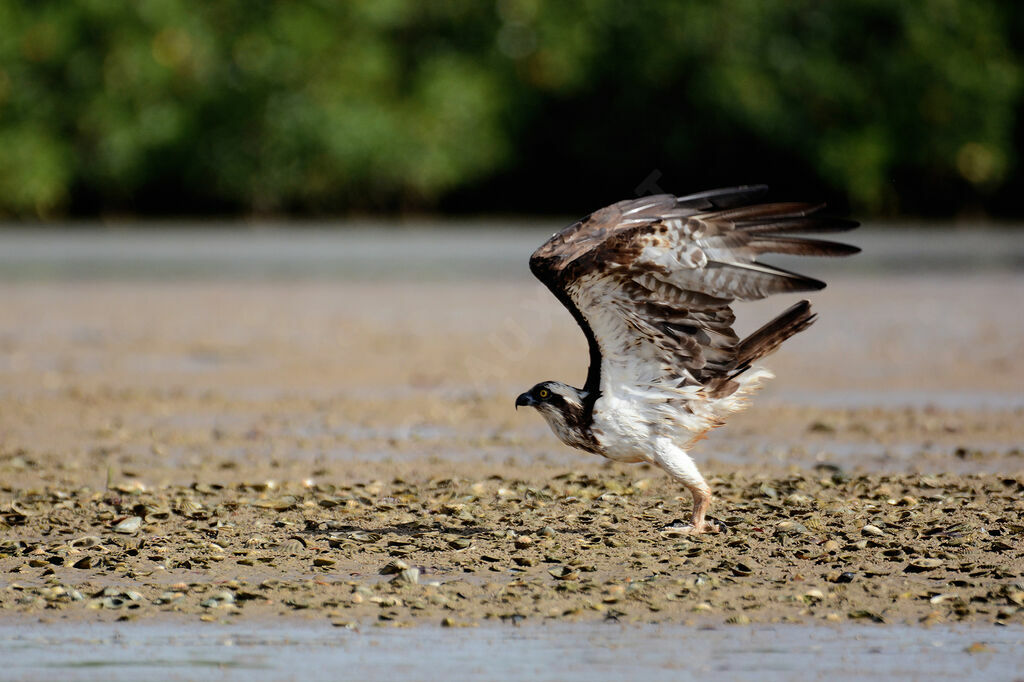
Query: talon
pixel 714 526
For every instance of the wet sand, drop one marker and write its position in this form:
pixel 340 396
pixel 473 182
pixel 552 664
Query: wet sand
pixel 514 543
pixel 239 451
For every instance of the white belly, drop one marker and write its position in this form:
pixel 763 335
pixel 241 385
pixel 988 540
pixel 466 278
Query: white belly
pixel 627 422
pixel 624 430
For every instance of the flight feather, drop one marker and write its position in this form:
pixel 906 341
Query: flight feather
pixel 651 282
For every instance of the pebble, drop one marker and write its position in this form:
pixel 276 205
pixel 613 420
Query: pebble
pixel 129 525
pixel 407 576
pixel 580 546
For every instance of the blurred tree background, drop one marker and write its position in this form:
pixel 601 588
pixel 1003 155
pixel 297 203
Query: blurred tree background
pixel 158 107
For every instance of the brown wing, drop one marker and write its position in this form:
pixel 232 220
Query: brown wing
pixel 650 281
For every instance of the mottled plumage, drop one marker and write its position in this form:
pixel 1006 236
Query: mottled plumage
pixel 651 282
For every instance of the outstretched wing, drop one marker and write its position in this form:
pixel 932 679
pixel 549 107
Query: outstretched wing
pixel 651 280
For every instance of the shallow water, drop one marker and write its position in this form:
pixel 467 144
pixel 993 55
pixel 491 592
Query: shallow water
pixel 420 250
pixel 542 652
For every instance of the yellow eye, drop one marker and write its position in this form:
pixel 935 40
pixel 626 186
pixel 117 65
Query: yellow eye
pixel 543 393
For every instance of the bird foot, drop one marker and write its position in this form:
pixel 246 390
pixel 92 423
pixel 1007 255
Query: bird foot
pixel 709 525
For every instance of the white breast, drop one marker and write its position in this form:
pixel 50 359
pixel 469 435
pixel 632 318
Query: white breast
pixel 628 420
pixel 621 429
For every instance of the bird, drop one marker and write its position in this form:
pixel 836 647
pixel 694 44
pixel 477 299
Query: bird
pixel 651 282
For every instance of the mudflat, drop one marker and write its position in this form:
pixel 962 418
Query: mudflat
pixel 348 452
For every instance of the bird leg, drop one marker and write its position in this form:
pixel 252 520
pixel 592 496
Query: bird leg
pixel 682 468
pixel 701 503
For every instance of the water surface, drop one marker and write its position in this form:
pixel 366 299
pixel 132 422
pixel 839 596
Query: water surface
pixel 583 652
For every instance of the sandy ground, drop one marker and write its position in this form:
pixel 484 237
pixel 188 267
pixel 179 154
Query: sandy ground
pixel 233 450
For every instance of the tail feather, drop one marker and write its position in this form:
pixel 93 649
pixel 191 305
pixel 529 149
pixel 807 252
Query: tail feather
pixel 769 337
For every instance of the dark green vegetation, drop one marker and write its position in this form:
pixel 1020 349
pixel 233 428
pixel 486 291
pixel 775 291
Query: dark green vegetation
pixel 166 106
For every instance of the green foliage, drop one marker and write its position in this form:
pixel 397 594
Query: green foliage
pixel 272 106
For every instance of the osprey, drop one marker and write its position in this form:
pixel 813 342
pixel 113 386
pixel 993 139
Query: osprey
pixel 651 282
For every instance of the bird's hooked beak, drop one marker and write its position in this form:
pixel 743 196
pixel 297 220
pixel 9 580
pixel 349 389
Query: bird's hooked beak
pixel 526 400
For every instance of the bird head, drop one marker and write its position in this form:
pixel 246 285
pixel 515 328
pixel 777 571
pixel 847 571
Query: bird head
pixel 561 406
pixel 555 400
pixel 550 395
